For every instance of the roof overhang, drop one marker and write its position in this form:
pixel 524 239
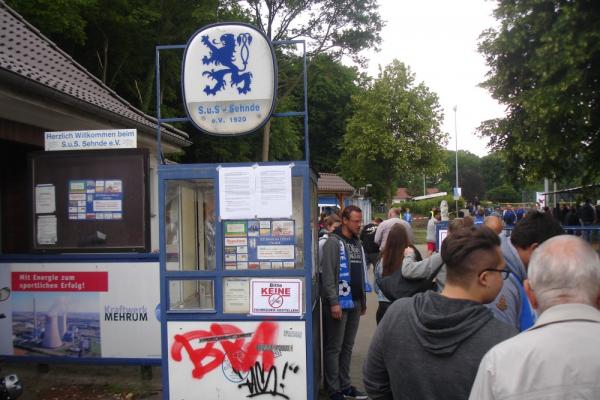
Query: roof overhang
pixel 29 102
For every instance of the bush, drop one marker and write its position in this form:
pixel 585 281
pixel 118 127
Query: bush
pixel 503 194
pixel 423 207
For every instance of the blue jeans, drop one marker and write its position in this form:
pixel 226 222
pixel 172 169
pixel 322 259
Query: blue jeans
pixel 337 347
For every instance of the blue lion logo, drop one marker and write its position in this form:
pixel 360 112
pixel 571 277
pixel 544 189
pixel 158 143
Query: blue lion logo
pixel 225 56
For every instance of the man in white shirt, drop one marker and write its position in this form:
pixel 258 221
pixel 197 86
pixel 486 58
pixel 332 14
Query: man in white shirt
pixel 559 357
pixel 384 228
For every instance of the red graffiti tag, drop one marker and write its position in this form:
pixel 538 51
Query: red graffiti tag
pixel 231 338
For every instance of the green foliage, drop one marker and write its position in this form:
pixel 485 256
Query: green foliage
pixel 503 194
pixel 115 40
pixel 331 86
pixel 544 63
pixel 336 27
pixel 395 128
pixel 470 177
pixel 493 170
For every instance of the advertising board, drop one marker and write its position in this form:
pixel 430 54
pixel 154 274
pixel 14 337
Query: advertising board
pixel 80 310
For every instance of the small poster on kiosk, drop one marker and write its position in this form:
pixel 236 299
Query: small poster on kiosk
pixel 259 244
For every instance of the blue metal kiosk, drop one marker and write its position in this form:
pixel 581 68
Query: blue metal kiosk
pixel 239 289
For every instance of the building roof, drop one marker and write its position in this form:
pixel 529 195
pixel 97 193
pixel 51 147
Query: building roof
pixel 331 183
pixel 402 194
pixel 433 190
pixel 27 55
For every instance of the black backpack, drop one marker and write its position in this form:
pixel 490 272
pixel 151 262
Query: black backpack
pixel 367 237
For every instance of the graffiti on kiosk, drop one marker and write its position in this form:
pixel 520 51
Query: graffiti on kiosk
pixel 225 55
pixel 262 382
pixel 232 341
pixel 249 364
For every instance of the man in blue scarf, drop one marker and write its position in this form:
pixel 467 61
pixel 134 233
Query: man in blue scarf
pixel 344 284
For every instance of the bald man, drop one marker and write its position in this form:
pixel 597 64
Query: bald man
pixel 494 223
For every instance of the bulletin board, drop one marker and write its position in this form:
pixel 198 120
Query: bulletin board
pixel 89 201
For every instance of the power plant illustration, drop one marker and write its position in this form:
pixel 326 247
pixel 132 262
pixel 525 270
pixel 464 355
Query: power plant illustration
pixel 58 331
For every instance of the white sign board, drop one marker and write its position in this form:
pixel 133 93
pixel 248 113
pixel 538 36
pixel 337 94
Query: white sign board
pixel 237 360
pixel 229 79
pixel 276 297
pixel 91 140
pixel 80 310
pixel 457 192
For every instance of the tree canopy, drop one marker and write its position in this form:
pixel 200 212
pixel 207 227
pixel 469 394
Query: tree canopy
pixel 544 61
pixel 335 27
pixel 395 129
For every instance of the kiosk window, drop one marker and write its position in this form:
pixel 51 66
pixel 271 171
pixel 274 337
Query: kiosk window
pixel 191 295
pixel 190 225
pixel 298 215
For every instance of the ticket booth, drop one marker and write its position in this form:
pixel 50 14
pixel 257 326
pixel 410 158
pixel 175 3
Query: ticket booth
pixel 239 294
pixel 239 303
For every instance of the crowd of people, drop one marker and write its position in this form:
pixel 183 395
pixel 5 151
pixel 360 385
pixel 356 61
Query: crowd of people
pixel 509 317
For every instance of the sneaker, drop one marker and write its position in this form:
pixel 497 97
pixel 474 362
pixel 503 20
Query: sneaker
pixel 337 396
pixel 354 393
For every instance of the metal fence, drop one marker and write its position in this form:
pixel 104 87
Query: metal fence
pixel 591 233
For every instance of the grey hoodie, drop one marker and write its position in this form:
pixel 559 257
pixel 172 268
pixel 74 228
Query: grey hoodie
pixel 507 305
pixel 437 344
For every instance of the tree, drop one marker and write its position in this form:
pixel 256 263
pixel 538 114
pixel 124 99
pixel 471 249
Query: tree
pixel 331 86
pixel 395 129
pixel 470 177
pixel 544 61
pixel 503 194
pixel 115 40
pixel 494 170
pixel 335 27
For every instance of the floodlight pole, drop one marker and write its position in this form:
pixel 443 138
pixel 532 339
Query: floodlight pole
pixel 456 158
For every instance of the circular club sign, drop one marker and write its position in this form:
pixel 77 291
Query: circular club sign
pixel 229 79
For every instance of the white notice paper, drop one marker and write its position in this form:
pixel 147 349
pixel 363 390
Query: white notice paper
pixel 274 191
pixel 45 202
pixel 236 295
pixel 46 229
pixel 236 191
pixel 255 192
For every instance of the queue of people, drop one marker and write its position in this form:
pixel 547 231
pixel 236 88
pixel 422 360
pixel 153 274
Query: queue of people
pixel 509 317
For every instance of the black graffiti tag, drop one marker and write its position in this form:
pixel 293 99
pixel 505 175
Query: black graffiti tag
pixel 260 382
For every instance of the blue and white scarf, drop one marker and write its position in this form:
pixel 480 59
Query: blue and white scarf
pixel 345 293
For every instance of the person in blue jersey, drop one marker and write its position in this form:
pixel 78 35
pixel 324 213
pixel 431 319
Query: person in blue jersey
pixel 511 305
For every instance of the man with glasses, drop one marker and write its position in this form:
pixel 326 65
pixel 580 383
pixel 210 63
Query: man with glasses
pixel 511 305
pixel 344 284
pixel 559 357
pixel 429 346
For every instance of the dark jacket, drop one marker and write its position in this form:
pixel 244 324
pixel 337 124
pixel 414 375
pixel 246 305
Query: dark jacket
pixel 437 345
pixel 330 267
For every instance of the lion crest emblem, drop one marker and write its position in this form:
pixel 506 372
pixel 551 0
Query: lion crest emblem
pixel 223 53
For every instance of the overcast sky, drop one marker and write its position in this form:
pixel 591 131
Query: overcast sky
pixel 438 40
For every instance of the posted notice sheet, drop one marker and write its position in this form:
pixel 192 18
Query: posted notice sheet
pixel 255 192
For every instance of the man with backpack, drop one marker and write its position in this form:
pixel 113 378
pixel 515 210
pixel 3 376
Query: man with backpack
pixel 367 237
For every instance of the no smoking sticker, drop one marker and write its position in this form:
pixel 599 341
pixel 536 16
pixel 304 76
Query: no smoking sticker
pixel 276 297
pixel 276 301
